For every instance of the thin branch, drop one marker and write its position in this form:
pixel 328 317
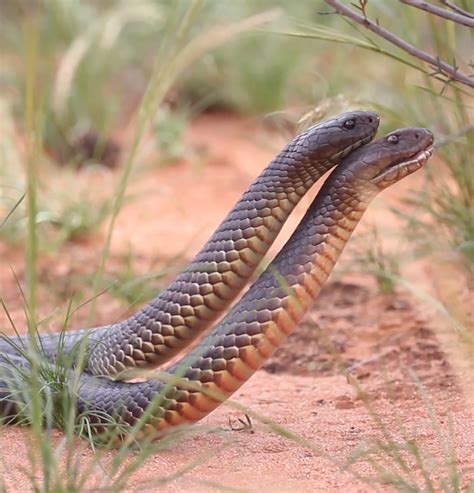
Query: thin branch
pixel 457 9
pixel 445 14
pixel 441 67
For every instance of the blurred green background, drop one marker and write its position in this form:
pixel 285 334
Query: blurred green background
pixel 75 72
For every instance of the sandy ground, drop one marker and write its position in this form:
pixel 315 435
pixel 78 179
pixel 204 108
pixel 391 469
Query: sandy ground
pixel 387 343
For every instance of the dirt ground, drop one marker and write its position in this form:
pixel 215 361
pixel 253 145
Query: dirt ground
pixel 387 343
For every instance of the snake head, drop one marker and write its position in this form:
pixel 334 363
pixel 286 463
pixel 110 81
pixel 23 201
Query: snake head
pixel 386 161
pixel 335 138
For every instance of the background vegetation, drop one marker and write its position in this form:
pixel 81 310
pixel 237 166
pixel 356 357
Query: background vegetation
pixel 82 82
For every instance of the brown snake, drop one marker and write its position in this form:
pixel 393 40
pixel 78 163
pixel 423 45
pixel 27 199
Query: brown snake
pixel 218 273
pixel 270 309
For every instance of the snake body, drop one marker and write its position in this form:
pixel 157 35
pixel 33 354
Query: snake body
pixel 221 269
pixel 270 309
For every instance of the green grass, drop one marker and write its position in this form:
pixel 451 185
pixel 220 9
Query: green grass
pixel 57 463
pixel 91 66
pixel 372 256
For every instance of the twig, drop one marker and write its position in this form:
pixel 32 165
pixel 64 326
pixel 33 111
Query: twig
pixel 446 14
pixel 245 425
pixel 441 67
pixel 457 9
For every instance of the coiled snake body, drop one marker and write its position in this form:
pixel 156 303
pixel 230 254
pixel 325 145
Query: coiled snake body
pixel 272 306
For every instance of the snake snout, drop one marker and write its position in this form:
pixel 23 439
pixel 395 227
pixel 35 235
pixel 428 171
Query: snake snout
pixel 408 150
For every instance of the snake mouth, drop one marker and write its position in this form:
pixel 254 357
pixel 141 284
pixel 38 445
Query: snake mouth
pixel 398 170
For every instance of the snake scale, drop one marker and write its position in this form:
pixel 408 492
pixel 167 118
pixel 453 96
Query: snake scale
pixel 267 313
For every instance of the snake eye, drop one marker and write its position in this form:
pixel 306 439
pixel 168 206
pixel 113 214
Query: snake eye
pixel 349 124
pixel 393 139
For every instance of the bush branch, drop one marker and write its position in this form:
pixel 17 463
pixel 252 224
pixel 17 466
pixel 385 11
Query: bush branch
pixel 452 72
pixel 445 14
pixel 457 9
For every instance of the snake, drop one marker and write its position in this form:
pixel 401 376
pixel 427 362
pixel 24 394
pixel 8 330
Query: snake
pixel 222 268
pixel 268 312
